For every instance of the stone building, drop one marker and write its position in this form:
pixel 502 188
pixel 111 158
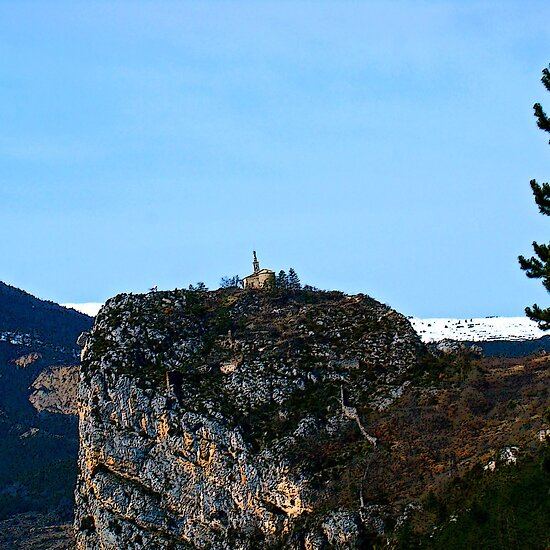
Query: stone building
pixel 261 278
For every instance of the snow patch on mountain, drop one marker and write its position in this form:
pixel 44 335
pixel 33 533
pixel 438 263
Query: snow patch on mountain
pixel 477 329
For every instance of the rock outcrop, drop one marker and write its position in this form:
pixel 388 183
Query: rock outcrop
pixel 235 419
pixel 27 359
pixel 55 390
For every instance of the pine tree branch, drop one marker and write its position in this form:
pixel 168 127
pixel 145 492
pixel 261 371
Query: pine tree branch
pixel 542 196
pixel 543 122
pixel 541 316
pixel 533 267
pixel 542 251
pixel 546 78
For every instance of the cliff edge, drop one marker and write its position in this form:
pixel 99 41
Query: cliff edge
pixel 235 419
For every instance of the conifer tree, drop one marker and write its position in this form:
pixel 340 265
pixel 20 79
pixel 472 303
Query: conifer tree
pixel 281 281
pixel 199 287
pixel 229 282
pixel 538 267
pixel 293 280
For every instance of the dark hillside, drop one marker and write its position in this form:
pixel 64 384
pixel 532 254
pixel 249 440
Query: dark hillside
pixel 42 320
pixel 37 450
pixel 512 348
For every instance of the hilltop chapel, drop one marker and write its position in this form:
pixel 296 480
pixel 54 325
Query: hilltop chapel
pixel 261 278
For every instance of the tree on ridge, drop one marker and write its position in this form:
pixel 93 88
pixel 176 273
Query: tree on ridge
pixel 293 280
pixel 281 280
pixel 538 266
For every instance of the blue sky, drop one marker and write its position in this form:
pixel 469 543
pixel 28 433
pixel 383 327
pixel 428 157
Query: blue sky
pixel 377 147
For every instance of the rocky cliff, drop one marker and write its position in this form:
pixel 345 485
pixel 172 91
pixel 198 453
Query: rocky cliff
pixel 235 419
pixel 55 390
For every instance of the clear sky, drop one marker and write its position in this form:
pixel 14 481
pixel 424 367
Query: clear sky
pixel 377 147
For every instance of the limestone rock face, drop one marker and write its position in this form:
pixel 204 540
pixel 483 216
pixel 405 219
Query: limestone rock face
pixel 28 359
pixel 218 419
pixel 55 390
pixel 454 347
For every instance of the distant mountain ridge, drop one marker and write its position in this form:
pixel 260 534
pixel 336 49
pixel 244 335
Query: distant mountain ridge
pixel 497 336
pixel 42 320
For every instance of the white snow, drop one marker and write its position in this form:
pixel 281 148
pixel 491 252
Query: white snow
pixel 89 308
pixel 477 329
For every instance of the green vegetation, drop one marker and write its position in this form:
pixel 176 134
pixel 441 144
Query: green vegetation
pixel 231 282
pixel 507 509
pixel 449 367
pixel 288 282
pixel 46 487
